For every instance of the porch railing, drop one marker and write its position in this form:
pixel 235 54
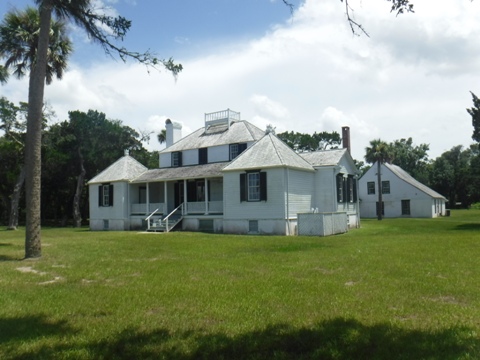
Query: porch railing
pixel 142 208
pixel 215 207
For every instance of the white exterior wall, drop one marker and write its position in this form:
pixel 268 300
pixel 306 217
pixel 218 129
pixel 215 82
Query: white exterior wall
pixel 325 190
pixel 218 153
pixel 270 214
pixel 165 160
pixel 421 204
pixel 117 215
pixel 300 191
pixel 190 157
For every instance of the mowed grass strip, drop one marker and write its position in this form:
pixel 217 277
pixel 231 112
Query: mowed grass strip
pixel 394 289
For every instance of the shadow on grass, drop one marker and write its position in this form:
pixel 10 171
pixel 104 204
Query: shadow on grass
pixel 9 258
pixel 22 329
pixel 334 339
pixel 469 227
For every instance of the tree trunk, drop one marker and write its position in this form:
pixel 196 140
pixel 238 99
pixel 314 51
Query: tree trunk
pixel 380 195
pixel 77 216
pixel 33 146
pixel 15 200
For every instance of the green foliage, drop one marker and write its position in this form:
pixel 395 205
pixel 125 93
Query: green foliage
pixel 412 159
pixel 456 175
pixel 396 289
pixel 306 142
pixel 19 33
pixel 475 113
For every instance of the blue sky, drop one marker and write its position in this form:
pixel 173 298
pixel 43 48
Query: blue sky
pixel 303 71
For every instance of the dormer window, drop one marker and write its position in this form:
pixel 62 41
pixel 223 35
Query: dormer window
pixel 176 159
pixel 237 149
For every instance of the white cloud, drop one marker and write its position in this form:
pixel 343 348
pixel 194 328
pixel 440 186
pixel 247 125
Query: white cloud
pixel 411 78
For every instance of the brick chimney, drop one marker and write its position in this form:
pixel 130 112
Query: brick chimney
pixel 346 138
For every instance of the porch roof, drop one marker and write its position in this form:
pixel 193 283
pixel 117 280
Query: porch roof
pixel 181 173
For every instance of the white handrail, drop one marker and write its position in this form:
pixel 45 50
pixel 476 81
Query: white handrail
pixel 166 217
pixel 153 213
pixel 148 218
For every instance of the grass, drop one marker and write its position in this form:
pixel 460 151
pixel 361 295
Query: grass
pixel 395 289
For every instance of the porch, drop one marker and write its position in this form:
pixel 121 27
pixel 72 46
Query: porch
pixel 198 196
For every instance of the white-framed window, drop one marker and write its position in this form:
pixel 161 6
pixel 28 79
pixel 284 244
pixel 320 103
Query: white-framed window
pixel 371 188
pixel 233 151
pixel 386 187
pixel 105 195
pixel 405 207
pixel 237 149
pixel 253 187
pixel 176 159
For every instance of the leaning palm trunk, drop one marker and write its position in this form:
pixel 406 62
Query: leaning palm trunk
pixel 33 165
pixel 380 197
pixel 77 216
pixel 15 200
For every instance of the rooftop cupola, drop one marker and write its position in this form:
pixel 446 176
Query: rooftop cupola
pixel 220 120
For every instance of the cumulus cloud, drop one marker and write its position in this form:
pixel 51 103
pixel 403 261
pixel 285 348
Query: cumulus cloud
pixel 411 77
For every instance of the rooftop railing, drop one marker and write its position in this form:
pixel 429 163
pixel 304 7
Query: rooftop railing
pixel 220 116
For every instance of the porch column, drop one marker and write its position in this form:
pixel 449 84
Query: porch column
pixel 148 198
pixel 185 198
pixel 165 198
pixel 206 197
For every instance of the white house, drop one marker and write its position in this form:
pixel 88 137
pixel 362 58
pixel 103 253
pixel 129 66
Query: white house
pixel 228 177
pixel 402 195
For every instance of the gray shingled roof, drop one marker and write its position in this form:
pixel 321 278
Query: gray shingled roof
pixel 402 174
pixel 124 169
pixel 239 132
pixel 324 158
pixel 185 172
pixel 268 152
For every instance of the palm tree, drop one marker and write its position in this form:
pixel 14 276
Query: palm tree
pixel 19 33
pixel 162 136
pixel 19 46
pixel 3 74
pixel 380 152
pixel 102 29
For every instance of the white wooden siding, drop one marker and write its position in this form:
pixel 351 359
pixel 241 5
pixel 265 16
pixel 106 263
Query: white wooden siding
pixel 116 215
pixel 325 190
pixel 165 160
pixel 273 208
pixel 218 153
pixel 300 188
pixel 190 157
pixel 421 204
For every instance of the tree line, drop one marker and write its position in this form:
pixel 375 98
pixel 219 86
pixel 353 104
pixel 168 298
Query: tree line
pixel 73 151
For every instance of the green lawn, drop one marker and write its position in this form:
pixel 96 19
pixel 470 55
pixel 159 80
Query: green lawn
pixel 395 289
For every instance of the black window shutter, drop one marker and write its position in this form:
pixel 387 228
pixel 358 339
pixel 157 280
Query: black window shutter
pixel 263 186
pixel 354 190
pixel 203 156
pixel 100 195
pixel 243 187
pixel 179 158
pixel 110 195
pixel 242 148
pixel 339 188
